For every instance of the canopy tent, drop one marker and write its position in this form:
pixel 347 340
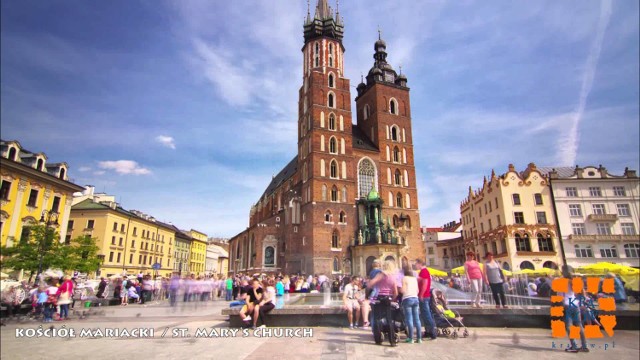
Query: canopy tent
pixel 543 271
pixel 602 268
pixel 436 272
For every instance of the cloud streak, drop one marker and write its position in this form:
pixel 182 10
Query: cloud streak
pixel 124 167
pixel 568 144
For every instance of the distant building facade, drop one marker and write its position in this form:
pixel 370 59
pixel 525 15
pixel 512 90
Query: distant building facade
pixel 512 217
pixel 29 186
pixel 598 214
pixel 444 246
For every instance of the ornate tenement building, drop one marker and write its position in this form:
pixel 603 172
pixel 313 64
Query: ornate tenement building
pixel 349 196
pixel 31 185
pixel 512 217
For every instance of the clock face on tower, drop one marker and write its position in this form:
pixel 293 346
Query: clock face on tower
pixel 388 77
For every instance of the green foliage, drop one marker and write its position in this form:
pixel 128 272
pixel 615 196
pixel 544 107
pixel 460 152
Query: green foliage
pixel 81 255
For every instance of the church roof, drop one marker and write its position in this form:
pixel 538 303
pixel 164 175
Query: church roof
pixel 361 140
pixel 282 176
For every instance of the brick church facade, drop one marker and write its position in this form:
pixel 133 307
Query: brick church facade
pixel 350 194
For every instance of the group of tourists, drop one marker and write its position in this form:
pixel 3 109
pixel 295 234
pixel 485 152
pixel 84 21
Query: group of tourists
pixel 50 299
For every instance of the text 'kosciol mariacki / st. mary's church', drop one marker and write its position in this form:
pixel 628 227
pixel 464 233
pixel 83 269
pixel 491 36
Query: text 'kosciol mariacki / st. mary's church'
pixel 350 194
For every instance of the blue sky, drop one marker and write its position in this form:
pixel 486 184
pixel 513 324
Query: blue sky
pixel 185 109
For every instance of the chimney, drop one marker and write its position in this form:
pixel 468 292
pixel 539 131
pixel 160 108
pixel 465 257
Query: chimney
pixel 88 190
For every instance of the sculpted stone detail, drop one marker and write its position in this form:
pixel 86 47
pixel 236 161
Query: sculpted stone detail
pixel 22 186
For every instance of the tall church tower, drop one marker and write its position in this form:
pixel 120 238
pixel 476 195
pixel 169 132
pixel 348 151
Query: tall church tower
pixel 326 192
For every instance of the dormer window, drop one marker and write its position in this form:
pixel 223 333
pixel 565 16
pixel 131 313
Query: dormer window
pixel 12 154
pixel 40 165
pixel 62 173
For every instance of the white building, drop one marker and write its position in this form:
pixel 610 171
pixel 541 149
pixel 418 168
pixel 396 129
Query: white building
pixel 598 214
pixel 444 246
pixel 217 260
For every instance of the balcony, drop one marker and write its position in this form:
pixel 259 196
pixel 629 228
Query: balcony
pixel 603 217
pixel 604 237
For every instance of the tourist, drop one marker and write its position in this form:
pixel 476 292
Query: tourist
pixel 229 289
pixel 286 281
pixel 411 305
pixel 532 289
pixel 254 296
pixel 41 300
pixel 64 297
pixel 544 288
pixel 52 301
pixel 619 294
pixel 365 305
pixel 101 288
pixel 474 274
pixel 124 288
pixel 385 283
pixel 10 301
pixel 424 296
pixel 132 293
pixel 351 304
pixel 494 277
pixel 572 313
pixel 279 287
pixel 266 304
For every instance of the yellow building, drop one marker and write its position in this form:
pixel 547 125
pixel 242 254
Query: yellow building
pixel 30 186
pixel 130 241
pixel 198 252
pixel 512 217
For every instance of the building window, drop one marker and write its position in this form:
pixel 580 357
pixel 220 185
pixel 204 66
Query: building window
pixel 122 228
pixel 490 227
pixel 526 265
pixel 90 224
pixel 494 247
pixel 120 242
pixel 575 210
pixel 503 245
pixel 332 122
pixel 394 133
pixel 583 251
pixel 393 107
pixel 632 250
pixel 544 244
pixel 119 255
pixel 542 217
pixel 628 229
pixel 56 204
pixel 538 199
pixel 523 243
pixel 111 256
pixel 334 194
pixel 367 175
pixel 399 200
pixel 343 217
pixel 331 101
pixel 398 178
pixel 330 79
pixel 603 229
pixel 396 154
pixel 133 244
pixel 598 209
pixel 518 217
pixel 70 225
pixel 115 226
pixel 333 169
pixel 571 191
pixel 516 199
pixel 623 210
pixel 344 194
pixel 12 154
pixel 430 251
pixel 333 145
pixel 5 188
pixel 608 251
pixel 595 192
pixel 619 191
pixel 336 265
pixel 327 216
pixel 366 111
pixel 335 240
pixel 498 218
pixel 269 256
pixel 578 229
pixel 135 231
pixel 33 198
pixel 40 164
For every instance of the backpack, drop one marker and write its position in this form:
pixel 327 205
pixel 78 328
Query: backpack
pixel 127 285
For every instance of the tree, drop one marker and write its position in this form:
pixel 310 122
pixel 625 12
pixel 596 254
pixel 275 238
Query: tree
pixel 42 245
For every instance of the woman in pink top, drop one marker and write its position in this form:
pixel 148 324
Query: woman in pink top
pixel 474 275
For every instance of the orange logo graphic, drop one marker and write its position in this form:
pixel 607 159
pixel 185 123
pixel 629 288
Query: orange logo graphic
pixel 559 328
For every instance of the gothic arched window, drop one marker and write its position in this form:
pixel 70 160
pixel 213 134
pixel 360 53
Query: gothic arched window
pixel 343 217
pixel 334 194
pixel 333 145
pixel 398 178
pixel 332 122
pixel 327 216
pixel 335 239
pixel 366 177
pixel 394 133
pixel 399 200
pixel 393 106
pixel 331 81
pixel 333 169
pixel 396 154
pixel 331 101
pixel 366 111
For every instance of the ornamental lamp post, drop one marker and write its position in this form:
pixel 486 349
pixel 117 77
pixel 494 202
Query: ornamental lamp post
pixel 48 218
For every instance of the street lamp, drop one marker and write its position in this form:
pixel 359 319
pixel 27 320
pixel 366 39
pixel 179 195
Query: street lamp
pixel 48 218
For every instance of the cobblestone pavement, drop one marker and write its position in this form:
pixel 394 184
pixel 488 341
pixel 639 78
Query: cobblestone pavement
pixel 199 333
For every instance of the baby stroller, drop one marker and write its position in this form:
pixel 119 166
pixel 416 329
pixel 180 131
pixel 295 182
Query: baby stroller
pixel 388 320
pixel 448 322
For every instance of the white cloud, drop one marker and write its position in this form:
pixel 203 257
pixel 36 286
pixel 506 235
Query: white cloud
pixel 124 167
pixel 167 141
pixel 84 169
pixel 99 172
